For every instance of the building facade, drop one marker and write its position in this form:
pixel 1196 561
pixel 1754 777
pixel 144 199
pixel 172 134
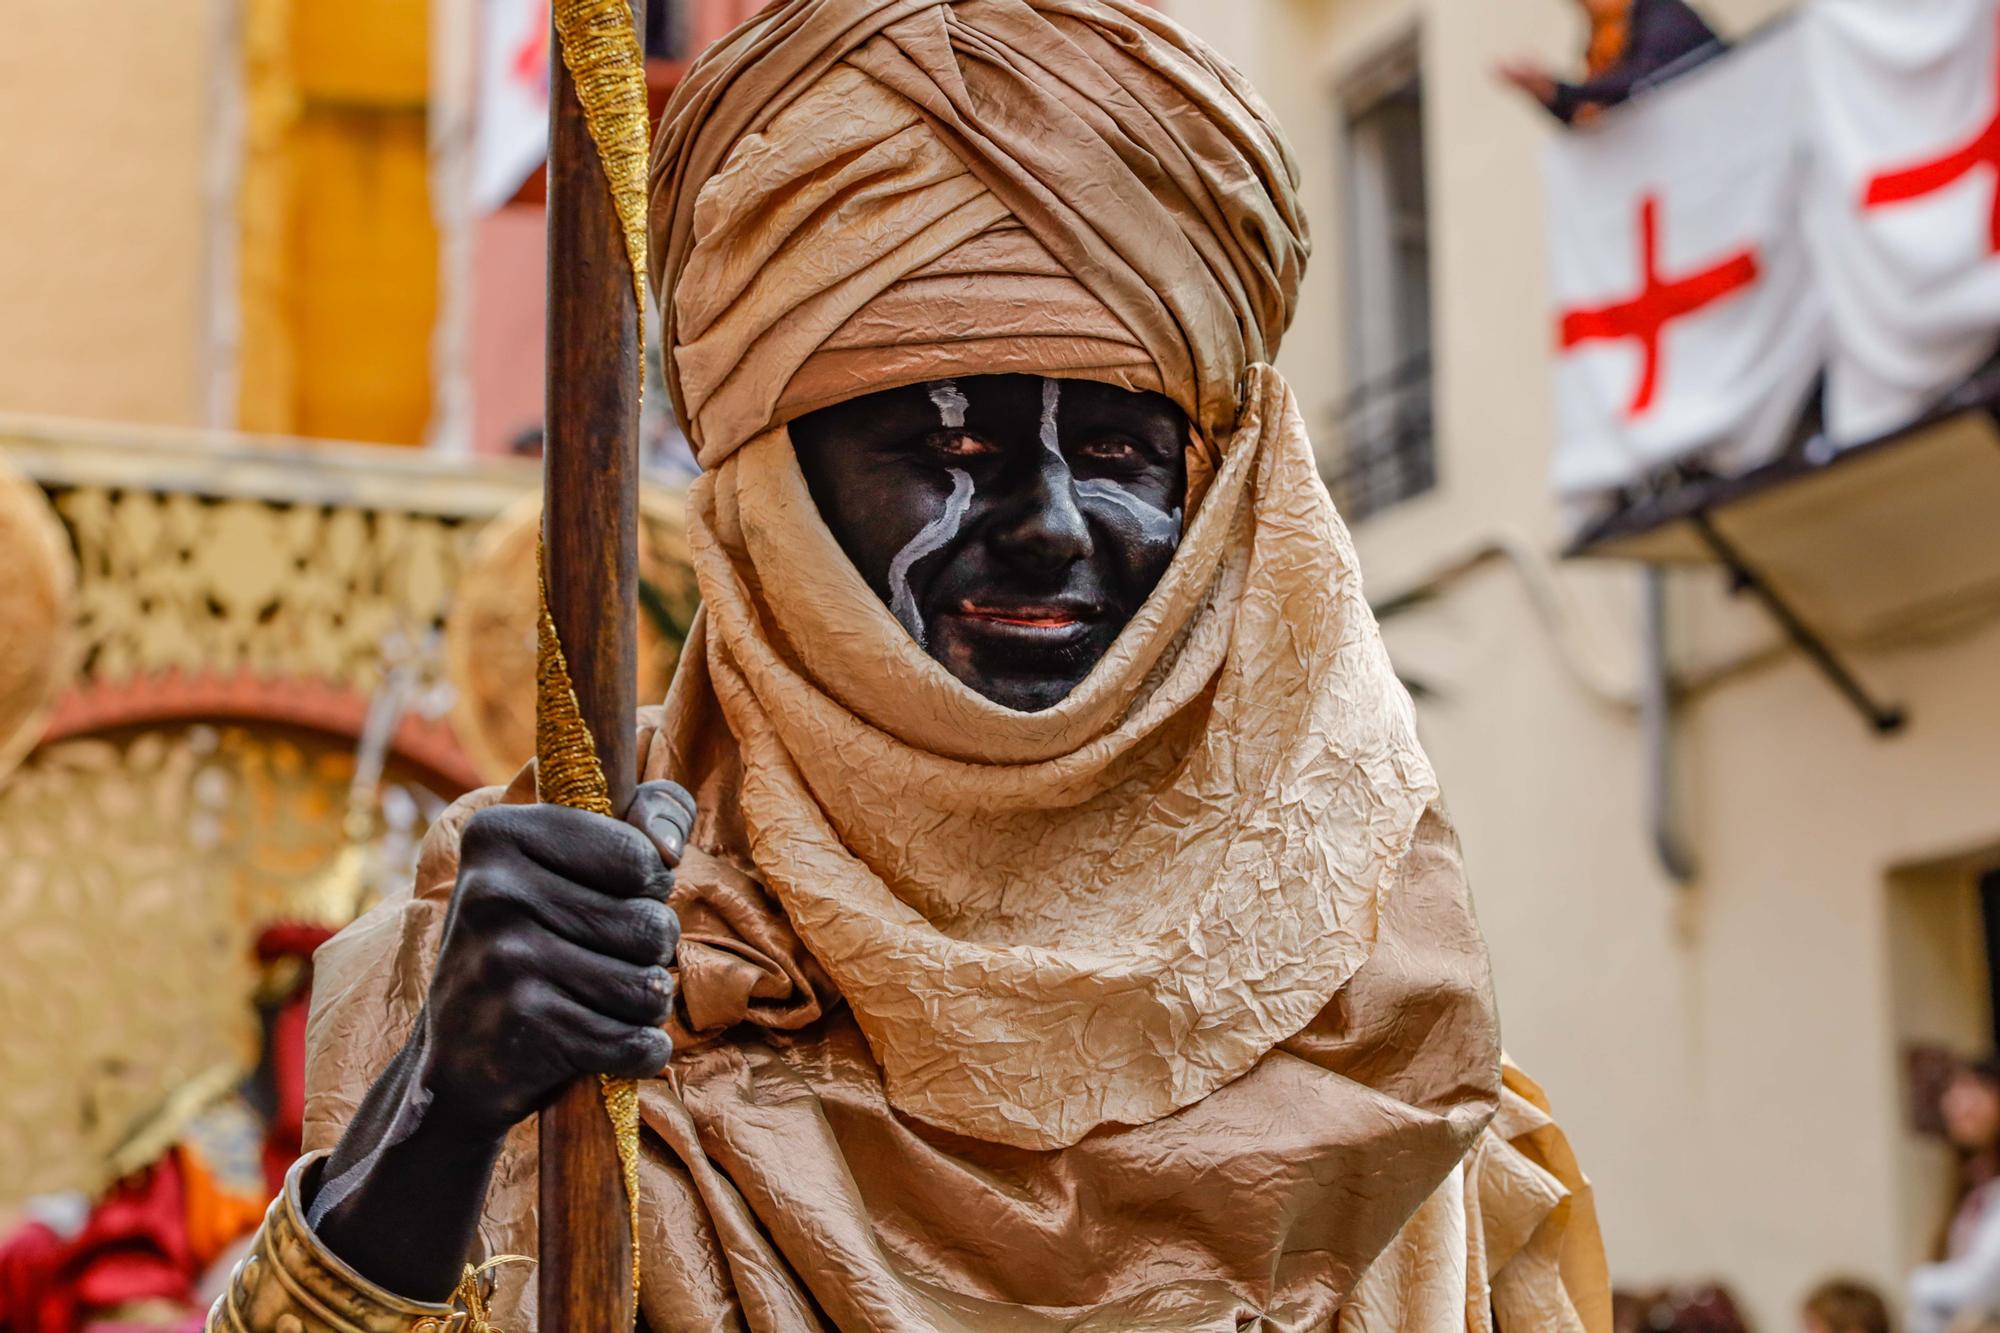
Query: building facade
pixel 219 214
pixel 1730 1053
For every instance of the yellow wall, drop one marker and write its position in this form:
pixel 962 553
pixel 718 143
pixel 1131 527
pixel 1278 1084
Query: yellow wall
pixel 339 251
pixel 121 264
pixel 104 123
pixel 1727 1056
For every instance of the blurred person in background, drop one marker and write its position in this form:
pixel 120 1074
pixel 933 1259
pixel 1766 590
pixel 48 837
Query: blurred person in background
pixel 1632 43
pixel 150 1253
pixel 1708 1308
pixel 1965 1280
pixel 1842 1305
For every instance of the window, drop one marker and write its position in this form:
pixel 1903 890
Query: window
pixel 1384 443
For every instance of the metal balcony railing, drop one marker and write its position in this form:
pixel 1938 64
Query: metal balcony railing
pixel 1384 446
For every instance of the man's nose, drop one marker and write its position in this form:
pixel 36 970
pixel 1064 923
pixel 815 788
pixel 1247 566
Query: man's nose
pixel 1043 530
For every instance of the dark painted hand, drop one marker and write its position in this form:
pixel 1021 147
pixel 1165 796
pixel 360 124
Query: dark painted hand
pixel 555 956
pixel 553 966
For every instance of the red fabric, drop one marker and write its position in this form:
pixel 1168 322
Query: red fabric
pixel 1923 178
pixel 290 939
pixel 31 1299
pixel 1661 301
pixel 288 1049
pixel 133 1248
pixel 288 1079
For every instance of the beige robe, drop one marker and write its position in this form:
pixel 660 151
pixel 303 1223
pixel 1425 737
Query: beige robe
pixel 781 1193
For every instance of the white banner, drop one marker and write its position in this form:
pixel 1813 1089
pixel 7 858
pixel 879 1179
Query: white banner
pixel 1688 320
pixel 512 138
pixel 1905 221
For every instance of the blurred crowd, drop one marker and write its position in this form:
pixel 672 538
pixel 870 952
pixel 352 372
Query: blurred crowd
pixel 1957 1292
pixel 1960 1289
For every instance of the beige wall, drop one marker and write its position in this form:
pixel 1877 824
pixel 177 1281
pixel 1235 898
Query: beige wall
pixel 104 132
pixel 1726 1056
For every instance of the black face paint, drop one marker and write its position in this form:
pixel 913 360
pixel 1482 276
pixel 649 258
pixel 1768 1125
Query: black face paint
pixel 933 537
pixel 1012 524
pixel 1161 528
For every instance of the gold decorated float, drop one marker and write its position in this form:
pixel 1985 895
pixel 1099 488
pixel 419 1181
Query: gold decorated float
pixel 237 680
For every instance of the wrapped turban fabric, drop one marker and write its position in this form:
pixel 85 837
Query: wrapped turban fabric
pixel 1162 1009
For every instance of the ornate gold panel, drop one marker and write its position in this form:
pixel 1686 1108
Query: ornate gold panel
pixel 135 873
pixel 180 582
pixel 139 857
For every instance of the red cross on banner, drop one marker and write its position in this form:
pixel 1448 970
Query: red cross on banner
pixel 530 64
pixel 1927 178
pixel 1660 302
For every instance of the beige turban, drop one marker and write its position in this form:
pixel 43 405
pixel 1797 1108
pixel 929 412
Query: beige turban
pixel 851 197
pixel 1161 1009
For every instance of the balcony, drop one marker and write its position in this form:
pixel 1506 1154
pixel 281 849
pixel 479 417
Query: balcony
pixel 1384 442
pixel 1821 425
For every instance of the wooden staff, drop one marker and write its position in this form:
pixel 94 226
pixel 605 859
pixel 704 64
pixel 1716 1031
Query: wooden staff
pixel 590 532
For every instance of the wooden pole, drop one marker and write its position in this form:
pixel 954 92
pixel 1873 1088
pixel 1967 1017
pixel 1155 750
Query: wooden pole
pixel 590 529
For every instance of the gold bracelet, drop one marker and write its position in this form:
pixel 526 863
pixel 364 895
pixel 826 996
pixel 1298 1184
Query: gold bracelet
pixel 291 1283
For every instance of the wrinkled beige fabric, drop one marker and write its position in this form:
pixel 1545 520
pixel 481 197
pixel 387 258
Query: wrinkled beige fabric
pixel 1094 915
pixel 783 1193
pixel 1162 1009
pixel 780 1193
pixel 1509 1241
pixel 852 196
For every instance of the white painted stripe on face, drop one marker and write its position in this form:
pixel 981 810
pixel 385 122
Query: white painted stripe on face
pixel 930 539
pixel 951 403
pixel 1156 525
pixel 1051 401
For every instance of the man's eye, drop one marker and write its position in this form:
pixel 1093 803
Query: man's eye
pixel 958 444
pixel 1112 450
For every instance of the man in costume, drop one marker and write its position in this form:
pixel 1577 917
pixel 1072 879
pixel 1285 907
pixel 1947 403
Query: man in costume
pixel 1065 929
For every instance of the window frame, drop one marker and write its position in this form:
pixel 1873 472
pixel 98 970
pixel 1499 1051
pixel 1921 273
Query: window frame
pixel 1366 479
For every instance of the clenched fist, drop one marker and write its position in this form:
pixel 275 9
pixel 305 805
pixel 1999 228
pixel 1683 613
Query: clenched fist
pixel 555 956
pixel 554 966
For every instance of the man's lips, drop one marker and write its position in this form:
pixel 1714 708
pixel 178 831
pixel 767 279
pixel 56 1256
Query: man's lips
pixel 1035 615
pixel 1031 628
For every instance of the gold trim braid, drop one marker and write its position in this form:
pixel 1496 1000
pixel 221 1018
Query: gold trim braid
pixel 600 48
pixel 567 772
pixel 566 768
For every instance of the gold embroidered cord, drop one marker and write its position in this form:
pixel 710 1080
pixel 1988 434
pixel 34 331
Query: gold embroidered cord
pixel 600 48
pixel 566 767
pixel 567 773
